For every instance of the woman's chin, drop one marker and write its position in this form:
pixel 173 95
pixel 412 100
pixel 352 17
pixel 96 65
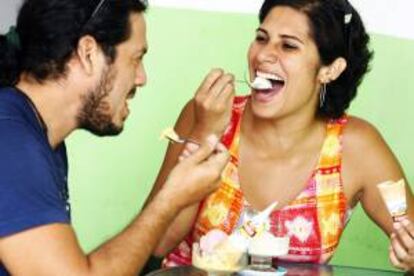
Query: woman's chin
pixel 266 110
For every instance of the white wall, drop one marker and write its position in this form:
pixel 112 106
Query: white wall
pixel 388 17
pixel 8 13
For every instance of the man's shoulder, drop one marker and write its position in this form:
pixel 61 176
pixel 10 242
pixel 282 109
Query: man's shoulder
pixel 12 105
pixel 17 121
pixel 17 131
pixel 30 190
pixel 20 146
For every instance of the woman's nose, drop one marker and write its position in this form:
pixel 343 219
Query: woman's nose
pixel 268 54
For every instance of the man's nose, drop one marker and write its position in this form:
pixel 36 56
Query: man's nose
pixel 141 76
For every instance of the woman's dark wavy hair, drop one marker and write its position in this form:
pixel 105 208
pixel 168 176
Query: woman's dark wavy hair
pixel 334 39
pixel 49 31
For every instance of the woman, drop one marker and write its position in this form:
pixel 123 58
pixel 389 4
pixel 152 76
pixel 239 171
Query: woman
pixel 293 143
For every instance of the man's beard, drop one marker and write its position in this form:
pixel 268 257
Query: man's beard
pixel 95 114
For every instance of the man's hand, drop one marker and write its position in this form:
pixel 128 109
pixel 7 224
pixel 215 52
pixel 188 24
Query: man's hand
pixel 197 175
pixel 402 245
pixel 212 104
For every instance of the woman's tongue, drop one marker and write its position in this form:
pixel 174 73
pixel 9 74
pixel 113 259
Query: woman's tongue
pixel 268 94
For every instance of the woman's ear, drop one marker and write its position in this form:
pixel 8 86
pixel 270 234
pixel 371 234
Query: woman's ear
pixel 87 52
pixel 332 71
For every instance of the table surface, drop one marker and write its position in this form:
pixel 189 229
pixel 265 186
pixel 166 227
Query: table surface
pixel 292 269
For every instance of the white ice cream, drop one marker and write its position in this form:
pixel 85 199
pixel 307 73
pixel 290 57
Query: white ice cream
pixel 267 245
pixel 261 83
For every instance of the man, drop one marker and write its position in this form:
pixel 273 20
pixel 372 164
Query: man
pixel 74 64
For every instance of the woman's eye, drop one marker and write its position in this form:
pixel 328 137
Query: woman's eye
pixel 289 46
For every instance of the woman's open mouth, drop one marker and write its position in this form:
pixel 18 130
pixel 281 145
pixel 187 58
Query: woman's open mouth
pixel 266 86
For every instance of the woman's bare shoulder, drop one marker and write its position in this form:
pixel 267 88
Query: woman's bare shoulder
pixel 367 153
pixel 360 132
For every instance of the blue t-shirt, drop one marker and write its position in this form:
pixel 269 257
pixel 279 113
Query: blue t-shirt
pixel 33 176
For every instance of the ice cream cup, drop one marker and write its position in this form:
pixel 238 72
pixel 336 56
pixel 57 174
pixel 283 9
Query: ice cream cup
pixel 264 248
pixel 269 245
pixel 219 261
pixel 393 194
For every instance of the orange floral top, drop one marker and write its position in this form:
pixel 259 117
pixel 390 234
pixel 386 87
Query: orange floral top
pixel 314 220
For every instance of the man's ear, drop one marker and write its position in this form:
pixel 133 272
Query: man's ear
pixel 88 53
pixel 331 72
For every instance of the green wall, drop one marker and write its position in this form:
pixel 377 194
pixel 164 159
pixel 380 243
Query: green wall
pixel 111 177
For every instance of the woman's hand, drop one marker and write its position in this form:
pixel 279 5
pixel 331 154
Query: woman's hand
pixel 212 104
pixel 402 245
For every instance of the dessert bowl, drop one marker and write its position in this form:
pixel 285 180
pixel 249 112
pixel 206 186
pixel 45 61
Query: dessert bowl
pixel 221 261
pixel 262 250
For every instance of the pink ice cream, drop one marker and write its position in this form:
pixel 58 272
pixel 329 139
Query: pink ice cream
pixel 209 241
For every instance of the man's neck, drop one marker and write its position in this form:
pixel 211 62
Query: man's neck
pixel 57 105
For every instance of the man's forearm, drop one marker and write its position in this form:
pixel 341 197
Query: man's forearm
pixel 127 253
pixel 177 230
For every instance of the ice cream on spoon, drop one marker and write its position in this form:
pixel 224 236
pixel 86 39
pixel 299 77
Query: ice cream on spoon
pixel 261 83
pixel 267 81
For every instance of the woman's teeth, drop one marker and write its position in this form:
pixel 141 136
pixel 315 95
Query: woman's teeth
pixel 269 76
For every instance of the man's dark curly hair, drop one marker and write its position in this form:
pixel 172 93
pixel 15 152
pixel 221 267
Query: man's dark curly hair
pixel 334 39
pixel 49 31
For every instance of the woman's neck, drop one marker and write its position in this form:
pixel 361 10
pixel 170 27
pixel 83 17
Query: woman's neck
pixel 282 134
